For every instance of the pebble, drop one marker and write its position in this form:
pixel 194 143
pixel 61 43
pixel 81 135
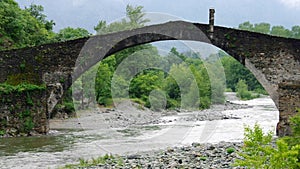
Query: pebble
pixel 198 156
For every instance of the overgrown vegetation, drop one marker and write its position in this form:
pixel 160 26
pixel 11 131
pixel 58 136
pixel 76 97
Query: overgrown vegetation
pixel 259 152
pixel 7 88
pixel 27 121
pixel 21 109
pixel 239 79
pixel 106 159
pixel 277 30
pixel 242 91
pixel 2 132
pixel 184 78
pixel 23 27
pixel 154 88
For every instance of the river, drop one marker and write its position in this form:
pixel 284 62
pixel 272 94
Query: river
pixel 67 145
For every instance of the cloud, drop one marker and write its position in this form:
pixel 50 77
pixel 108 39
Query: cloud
pixel 78 3
pixel 291 3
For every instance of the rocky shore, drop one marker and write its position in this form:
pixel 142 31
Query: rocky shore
pixel 131 114
pixel 196 156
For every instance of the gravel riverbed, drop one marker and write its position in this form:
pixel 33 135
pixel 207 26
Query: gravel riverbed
pixel 143 138
pixel 198 156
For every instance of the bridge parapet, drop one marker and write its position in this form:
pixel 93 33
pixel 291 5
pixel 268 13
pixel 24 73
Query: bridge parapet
pixel 275 61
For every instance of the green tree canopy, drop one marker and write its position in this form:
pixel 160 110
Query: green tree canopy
pixel 22 27
pixel 135 19
pixel 71 33
pixel 235 71
pixel 280 31
pixel 37 12
pixel 274 30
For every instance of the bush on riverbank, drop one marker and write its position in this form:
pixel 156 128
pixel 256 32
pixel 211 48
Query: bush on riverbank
pixel 243 92
pixel 259 152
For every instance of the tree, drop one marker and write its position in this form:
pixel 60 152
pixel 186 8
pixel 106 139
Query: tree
pixel 234 71
pixel 262 28
pixel 280 31
pixel 144 83
pixel 103 82
pixel 243 92
pixel 246 26
pixel 173 92
pixel 18 28
pixel 275 30
pixel 71 33
pixel 136 16
pixel 37 12
pixel 296 32
pixel 136 20
pixel 186 87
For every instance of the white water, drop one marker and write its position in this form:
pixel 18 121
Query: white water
pixel 93 143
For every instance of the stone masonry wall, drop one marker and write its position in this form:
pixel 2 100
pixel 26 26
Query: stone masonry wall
pixel 273 60
pixel 22 112
pixel 289 103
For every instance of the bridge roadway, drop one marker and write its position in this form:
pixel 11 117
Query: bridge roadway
pixel 273 60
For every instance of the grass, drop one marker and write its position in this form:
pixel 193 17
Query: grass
pixel 106 159
pixel 7 88
pixel 151 128
pixel 129 132
pixel 203 158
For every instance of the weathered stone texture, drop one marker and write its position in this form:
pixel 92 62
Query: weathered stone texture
pixel 23 112
pixel 273 60
pixel 289 104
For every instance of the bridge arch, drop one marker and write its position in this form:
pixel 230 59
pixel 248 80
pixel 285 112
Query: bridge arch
pixel 273 60
pixel 256 51
pixel 178 30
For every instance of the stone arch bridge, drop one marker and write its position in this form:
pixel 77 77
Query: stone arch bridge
pixel 275 62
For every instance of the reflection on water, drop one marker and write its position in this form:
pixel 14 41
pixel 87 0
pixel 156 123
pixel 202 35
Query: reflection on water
pixel 46 143
pixel 58 143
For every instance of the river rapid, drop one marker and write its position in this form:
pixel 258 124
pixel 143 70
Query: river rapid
pixel 70 139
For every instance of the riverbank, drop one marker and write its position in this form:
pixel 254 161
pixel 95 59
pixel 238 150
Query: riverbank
pixel 220 155
pixel 134 131
pixel 129 114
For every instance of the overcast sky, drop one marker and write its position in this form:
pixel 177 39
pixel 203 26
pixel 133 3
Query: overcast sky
pixel 230 13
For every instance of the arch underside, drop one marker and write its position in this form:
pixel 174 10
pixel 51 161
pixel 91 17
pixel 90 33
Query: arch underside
pixel 273 60
pixel 263 55
pixel 99 47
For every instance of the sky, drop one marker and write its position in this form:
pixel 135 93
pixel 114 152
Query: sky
pixel 230 13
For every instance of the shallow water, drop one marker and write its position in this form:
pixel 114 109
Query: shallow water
pixel 67 146
pixel 12 146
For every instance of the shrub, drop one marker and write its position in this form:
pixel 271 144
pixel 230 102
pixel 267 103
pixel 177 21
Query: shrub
pixel 228 90
pixel 172 103
pixel 2 132
pixel 138 101
pixel 110 159
pixel 259 153
pixel 107 102
pixel 69 107
pixel 230 150
pixel 243 92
